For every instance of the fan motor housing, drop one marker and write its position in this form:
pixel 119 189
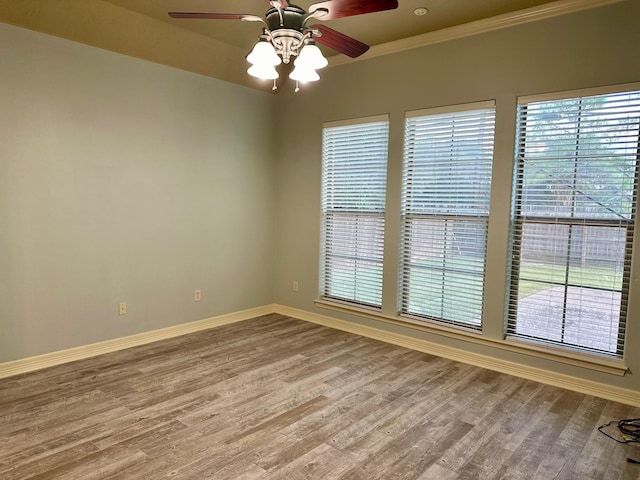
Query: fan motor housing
pixel 292 18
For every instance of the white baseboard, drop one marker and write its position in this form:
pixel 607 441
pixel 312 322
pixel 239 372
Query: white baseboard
pixel 601 390
pixel 617 394
pixel 38 362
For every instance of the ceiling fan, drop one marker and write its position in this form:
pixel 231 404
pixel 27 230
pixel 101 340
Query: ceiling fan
pixel 287 34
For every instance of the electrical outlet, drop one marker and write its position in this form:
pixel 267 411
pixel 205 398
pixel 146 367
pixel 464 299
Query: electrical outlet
pixel 122 308
pixel 295 285
pixel 197 295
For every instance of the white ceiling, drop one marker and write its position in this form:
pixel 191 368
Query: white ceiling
pixel 142 28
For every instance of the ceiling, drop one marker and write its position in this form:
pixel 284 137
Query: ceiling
pixel 142 28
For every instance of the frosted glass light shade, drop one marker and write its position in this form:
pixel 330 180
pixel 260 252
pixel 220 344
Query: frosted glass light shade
pixel 311 57
pixel 264 72
pixel 263 53
pixel 303 74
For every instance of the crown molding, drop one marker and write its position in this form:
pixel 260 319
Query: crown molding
pixel 533 14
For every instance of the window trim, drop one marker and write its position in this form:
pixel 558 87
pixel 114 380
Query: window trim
pixel 383 117
pixel 401 267
pixel 518 220
pixel 581 92
pixel 513 349
pixel 324 215
pixel 459 107
pixel 610 365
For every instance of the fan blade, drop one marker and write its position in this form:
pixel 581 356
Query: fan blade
pixel 340 42
pixel 217 16
pixel 349 8
pixel 278 3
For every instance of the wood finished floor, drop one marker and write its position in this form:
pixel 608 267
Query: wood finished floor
pixel 278 398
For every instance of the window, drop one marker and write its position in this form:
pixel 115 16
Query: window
pixel 573 214
pixel 354 175
pixel 445 212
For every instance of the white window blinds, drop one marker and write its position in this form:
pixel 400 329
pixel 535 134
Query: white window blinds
pixel 354 175
pixel 448 156
pixel 574 208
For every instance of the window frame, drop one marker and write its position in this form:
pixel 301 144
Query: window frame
pixel 450 220
pixel 376 218
pixel 519 220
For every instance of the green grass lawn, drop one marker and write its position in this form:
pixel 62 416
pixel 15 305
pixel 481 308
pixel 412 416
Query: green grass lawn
pixel 457 294
pixel 535 277
pixel 451 289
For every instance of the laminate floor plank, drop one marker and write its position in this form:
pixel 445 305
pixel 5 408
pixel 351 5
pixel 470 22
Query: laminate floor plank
pixel 427 450
pixel 276 398
pixel 573 438
pixel 318 462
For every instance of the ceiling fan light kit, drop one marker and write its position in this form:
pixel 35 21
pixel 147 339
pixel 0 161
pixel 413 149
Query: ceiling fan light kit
pixel 263 53
pixel 264 72
pixel 311 56
pixel 286 35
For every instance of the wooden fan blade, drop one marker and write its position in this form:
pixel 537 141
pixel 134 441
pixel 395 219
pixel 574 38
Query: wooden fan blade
pixel 278 3
pixel 349 8
pixel 217 16
pixel 340 42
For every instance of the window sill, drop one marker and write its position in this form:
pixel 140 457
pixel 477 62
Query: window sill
pixel 614 366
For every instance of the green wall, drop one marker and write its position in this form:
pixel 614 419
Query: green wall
pixel 580 50
pixel 123 180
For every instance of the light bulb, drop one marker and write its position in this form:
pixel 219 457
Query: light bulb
pixel 263 53
pixel 264 72
pixel 311 57
pixel 304 74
